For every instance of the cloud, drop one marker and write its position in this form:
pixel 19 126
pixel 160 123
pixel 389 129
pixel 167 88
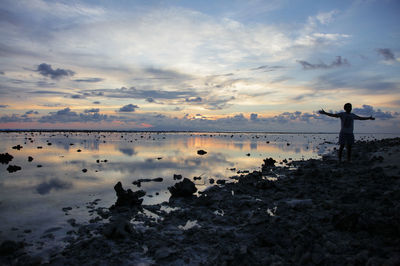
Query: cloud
pixel 67 116
pixel 368 110
pixel 47 71
pixel 93 110
pixel 387 54
pixel 2 73
pixel 14 118
pixel 150 100
pixel 90 80
pixel 52 184
pixel 96 102
pixel 267 68
pixel 194 99
pixel 128 108
pixel 336 63
pixel 3 105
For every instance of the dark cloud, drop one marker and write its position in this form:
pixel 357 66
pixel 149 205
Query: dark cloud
pixel 387 54
pixel 77 96
pixel 47 71
pixel 150 100
pixel 93 110
pixel 336 63
pixel 96 102
pixel 46 92
pixel 253 117
pixel 31 112
pixel 90 80
pixel 158 73
pixel 128 108
pixel 14 118
pixel 266 68
pixel 2 73
pixel 368 110
pixel 67 116
pixel 3 106
pixel 52 184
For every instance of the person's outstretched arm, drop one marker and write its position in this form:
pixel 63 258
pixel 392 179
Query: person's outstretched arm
pixel 328 114
pixel 364 117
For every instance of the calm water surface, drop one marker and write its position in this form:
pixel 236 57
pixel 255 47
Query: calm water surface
pixel 33 197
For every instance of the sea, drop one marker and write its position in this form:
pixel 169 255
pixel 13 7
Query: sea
pixel 64 173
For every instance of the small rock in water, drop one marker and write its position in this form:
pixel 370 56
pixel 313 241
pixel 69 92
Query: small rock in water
pixel 5 158
pixel 177 177
pixel 201 152
pixel 211 181
pixel 13 168
pixel 185 188
pixel 30 158
pixel 84 170
pixel 18 147
pixel 269 162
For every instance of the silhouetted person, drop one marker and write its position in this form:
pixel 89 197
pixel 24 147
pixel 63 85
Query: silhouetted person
pixel 346 136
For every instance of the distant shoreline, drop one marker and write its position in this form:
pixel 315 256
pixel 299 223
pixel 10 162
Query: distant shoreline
pixel 178 131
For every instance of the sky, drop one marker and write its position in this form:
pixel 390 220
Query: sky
pixel 199 65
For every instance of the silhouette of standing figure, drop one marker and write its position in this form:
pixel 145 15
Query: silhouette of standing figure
pixel 346 136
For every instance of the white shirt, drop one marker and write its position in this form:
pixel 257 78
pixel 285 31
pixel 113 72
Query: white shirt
pixel 347 122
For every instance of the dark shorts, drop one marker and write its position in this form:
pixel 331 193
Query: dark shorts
pixel 346 138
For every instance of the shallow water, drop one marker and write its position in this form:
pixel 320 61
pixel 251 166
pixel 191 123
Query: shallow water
pixel 33 197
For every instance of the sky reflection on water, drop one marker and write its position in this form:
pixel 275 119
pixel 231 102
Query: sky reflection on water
pixel 34 196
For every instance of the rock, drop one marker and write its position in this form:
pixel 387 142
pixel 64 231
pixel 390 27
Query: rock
pixel 221 182
pixel 8 247
pixel 118 229
pixel 13 168
pixel 128 198
pixel 18 147
pixel 211 180
pixel 84 170
pixel 185 188
pixel 5 158
pixel 201 152
pixel 197 178
pixel 269 162
pixel 248 154
pixel 30 158
pixel 177 177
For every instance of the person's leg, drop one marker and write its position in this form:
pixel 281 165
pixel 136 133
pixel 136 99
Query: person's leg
pixel 341 147
pixel 348 153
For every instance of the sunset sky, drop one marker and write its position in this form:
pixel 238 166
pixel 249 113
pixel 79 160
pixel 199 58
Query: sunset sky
pixel 199 65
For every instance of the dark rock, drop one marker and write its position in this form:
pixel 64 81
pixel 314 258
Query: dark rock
pixel 128 198
pixel 120 228
pixel 18 147
pixel 39 165
pixel 221 182
pixel 39 147
pixel 197 178
pixel 248 154
pixel 5 158
pixel 201 152
pixel 211 180
pixel 270 162
pixel 13 168
pixel 177 177
pixel 84 170
pixel 30 158
pixel 79 150
pixel 185 188
pixel 8 247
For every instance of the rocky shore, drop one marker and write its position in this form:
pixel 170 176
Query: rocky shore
pixel 314 212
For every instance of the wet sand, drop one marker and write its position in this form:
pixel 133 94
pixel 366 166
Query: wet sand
pixel 315 212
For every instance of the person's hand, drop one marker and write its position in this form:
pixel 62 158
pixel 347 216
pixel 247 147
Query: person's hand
pixel 322 111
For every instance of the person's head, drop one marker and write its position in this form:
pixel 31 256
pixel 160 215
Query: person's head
pixel 347 107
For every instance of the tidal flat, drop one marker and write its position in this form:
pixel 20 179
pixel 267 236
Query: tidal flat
pixel 56 207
